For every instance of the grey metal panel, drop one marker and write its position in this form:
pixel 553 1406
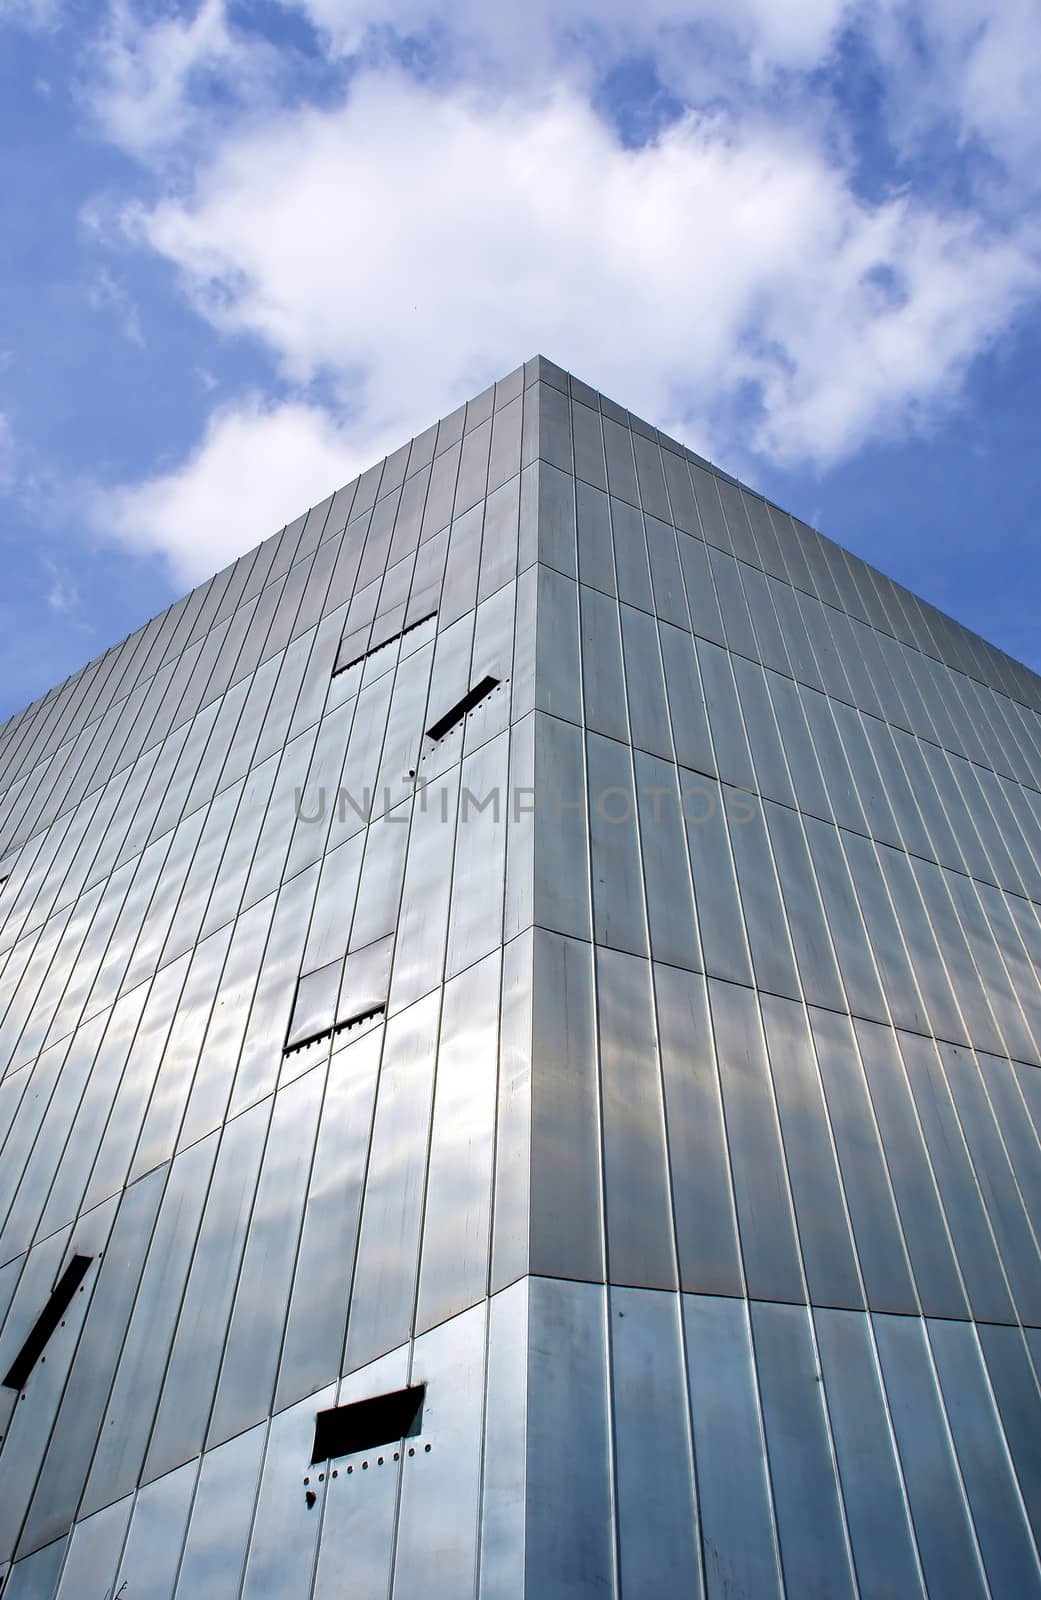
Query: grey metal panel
pixel 723 940
pixel 595 551
pixel 1009 1555
pixel 214 1078
pixel 885 932
pixel 737 623
pixel 93 1552
pixel 630 556
pixel 478 879
pixel 688 715
pixel 439 1509
pixel 702 1194
pixel 1013 1228
pixel 554 423
pixel 618 916
pixel 764 740
pixel 317 1303
pixel 768 1237
pixel 701 593
pixel 669 595
pixel 361 1500
pixel 513 1123
pixel 423 918
pixel 645 687
pixel 653 495
pixel 946 1542
pixel 499 545
pixel 670 906
pixel 87 1128
pixel 568 1500
pixel 640 1240
pixel 968 1221
pixel 457 1219
pixel 852 948
pixel 49 1091
pixel 90 1377
pixel 35 1577
pixel 254 1336
pixel 558 682
pixel 773 958
pixel 561 1140
pixel 547 869
pixel 123 1435
pixel 657 1520
pixel 588 446
pixel 921 1214
pixel 737 1528
pixel 602 678
pixel 880 1535
pixel 807 925
pixel 681 497
pixel 170 1092
pixel 502 1530
pixel 926 959
pixel 824 1232
pixel 221 1517
pixel 815 1555
pixel 865 1175
pixel 732 759
pixel 283 1543
pixel 388 1249
pixel 183 1409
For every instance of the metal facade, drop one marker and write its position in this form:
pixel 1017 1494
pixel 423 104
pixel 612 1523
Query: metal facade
pixel 648 1062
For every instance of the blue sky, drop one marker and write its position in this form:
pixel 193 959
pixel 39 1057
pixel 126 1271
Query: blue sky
pixel 249 245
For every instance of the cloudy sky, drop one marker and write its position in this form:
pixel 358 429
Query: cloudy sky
pixel 246 246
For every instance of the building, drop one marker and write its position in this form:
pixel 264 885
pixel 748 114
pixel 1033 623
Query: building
pixel 554 940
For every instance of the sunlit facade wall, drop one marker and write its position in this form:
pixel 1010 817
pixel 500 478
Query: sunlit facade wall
pixel 647 1060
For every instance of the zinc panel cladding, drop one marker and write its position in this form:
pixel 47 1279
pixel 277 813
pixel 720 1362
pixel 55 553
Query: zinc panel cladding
pixel 649 1066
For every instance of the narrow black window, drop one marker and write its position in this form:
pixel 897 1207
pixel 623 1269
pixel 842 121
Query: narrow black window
pixel 456 713
pixel 46 1322
pixel 366 1424
pixel 350 656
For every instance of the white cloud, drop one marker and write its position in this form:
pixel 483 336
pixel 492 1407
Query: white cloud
pixel 411 241
pixel 32 14
pixel 63 596
pixel 424 241
pixel 106 293
pixel 563 32
pixel 147 79
pixel 256 468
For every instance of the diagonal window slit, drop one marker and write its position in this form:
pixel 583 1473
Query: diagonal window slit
pixel 363 655
pixel 46 1322
pixel 473 697
pixel 366 1424
pixel 338 1027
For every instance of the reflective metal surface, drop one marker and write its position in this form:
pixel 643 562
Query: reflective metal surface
pixel 689 1150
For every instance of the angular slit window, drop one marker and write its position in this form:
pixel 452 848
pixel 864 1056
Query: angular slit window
pixel 322 1007
pixel 366 1424
pixel 349 650
pixel 462 708
pixel 46 1322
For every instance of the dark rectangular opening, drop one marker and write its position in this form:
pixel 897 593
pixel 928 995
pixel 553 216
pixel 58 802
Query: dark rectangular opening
pixel 366 1424
pixel 338 1027
pixel 456 713
pixel 46 1322
pixel 342 666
